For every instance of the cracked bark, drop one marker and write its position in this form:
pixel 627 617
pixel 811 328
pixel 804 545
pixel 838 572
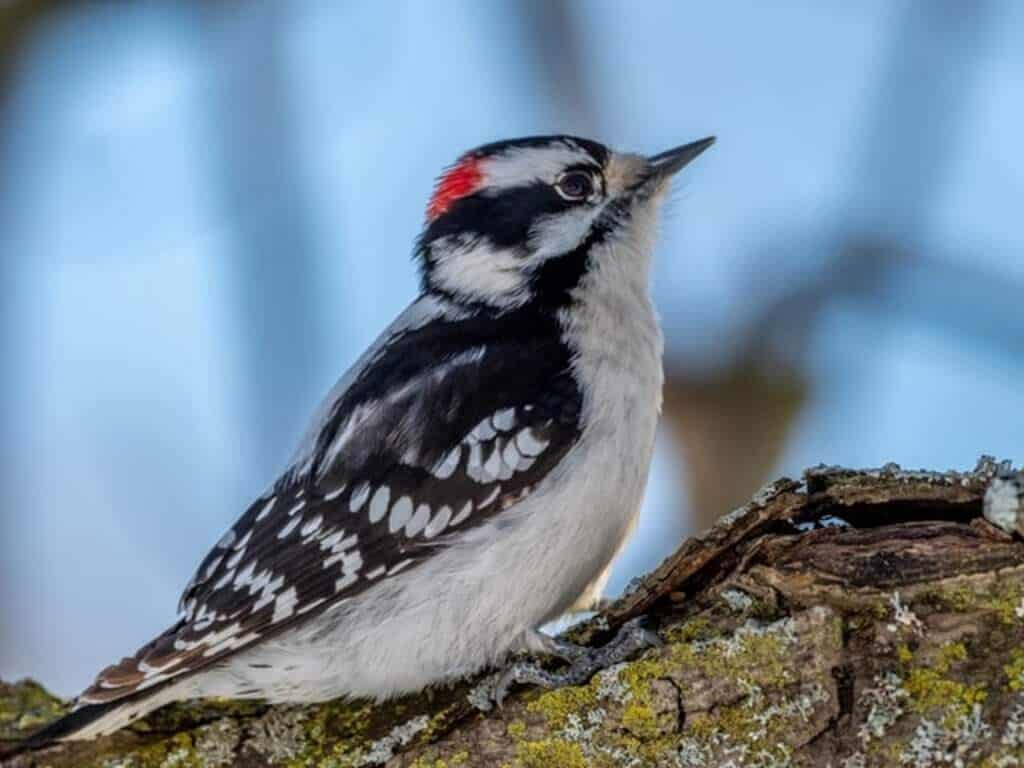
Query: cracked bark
pixel 892 639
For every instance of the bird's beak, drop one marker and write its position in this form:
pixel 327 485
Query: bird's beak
pixel 665 164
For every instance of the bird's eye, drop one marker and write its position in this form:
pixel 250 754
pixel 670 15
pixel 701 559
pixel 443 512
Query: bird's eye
pixel 575 185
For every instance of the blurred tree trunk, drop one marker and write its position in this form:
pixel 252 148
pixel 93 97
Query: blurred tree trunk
pixel 274 270
pixel 18 24
pixel 734 421
pixel 894 639
pixel 732 426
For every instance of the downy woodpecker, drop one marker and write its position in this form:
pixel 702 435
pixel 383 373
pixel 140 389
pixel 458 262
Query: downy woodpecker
pixel 468 480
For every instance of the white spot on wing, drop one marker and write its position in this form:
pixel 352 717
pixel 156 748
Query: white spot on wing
pixel 266 508
pixel 446 467
pixel 236 558
pixel 327 542
pixel 439 522
pixel 411 457
pixel 399 566
pixel 335 493
pixel 345 582
pixel 244 577
pixel 419 520
pixel 465 512
pixel 284 605
pixel 312 526
pixel 290 526
pixel 492 467
pixel 525 463
pixel 376 573
pixel 510 455
pixel 296 508
pixel 352 562
pixel 359 497
pixel 401 511
pixel 339 551
pixel 314 604
pixel 504 419
pixel 506 469
pixel 528 444
pixel 379 504
pixel 213 566
pixel 475 468
pixel 482 432
pixel 490 497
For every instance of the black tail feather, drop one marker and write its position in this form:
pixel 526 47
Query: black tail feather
pixel 60 728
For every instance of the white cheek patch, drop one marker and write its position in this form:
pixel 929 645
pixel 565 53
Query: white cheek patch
pixel 473 267
pixel 560 233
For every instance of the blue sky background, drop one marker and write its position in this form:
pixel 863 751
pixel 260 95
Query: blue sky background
pixel 207 210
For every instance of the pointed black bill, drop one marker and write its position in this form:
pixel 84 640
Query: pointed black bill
pixel 667 163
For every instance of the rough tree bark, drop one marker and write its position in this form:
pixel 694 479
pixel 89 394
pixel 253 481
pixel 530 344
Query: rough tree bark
pixel 857 618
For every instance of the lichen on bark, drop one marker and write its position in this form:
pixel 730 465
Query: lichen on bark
pixel 854 619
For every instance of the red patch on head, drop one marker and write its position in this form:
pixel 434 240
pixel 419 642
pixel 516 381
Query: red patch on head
pixel 460 180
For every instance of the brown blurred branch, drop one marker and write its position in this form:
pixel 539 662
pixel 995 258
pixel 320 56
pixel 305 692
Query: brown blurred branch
pixel 19 19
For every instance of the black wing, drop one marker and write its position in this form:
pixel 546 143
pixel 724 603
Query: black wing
pixel 448 425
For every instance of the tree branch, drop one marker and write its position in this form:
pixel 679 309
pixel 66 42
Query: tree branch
pixel 859 618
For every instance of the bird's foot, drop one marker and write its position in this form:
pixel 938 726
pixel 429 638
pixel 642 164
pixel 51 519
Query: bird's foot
pixel 583 663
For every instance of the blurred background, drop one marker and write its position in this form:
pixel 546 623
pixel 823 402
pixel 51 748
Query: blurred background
pixel 207 210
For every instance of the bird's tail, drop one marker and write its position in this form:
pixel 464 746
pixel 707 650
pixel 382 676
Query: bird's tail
pixel 90 721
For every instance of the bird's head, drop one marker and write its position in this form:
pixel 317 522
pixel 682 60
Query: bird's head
pixel 525 220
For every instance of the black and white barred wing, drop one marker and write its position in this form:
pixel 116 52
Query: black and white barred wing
pixel 393 480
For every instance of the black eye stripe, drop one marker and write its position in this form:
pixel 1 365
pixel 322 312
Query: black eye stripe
pixel 505 217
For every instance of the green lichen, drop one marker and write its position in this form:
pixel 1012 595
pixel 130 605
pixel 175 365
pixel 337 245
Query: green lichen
pixel 183 716
pixel 26 706
pixel 558 705
pixel 640 720
pixel 742 729
pixel 1003 597
pixel 948 655
pixel 1004 758
pixel 628 716
pixel 687 632
pixel 930 691
pixel 454 761
pixel 550 753
pixel 750 655
pixel 336 736
pixel 949 712
pixel 348 734
pixel 961 599
pixel 174 752
pixel 1015 670
pixel 1008 603
pixel 903 654
pixel 608 723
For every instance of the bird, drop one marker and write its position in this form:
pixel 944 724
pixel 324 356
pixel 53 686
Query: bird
pixel 468 480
